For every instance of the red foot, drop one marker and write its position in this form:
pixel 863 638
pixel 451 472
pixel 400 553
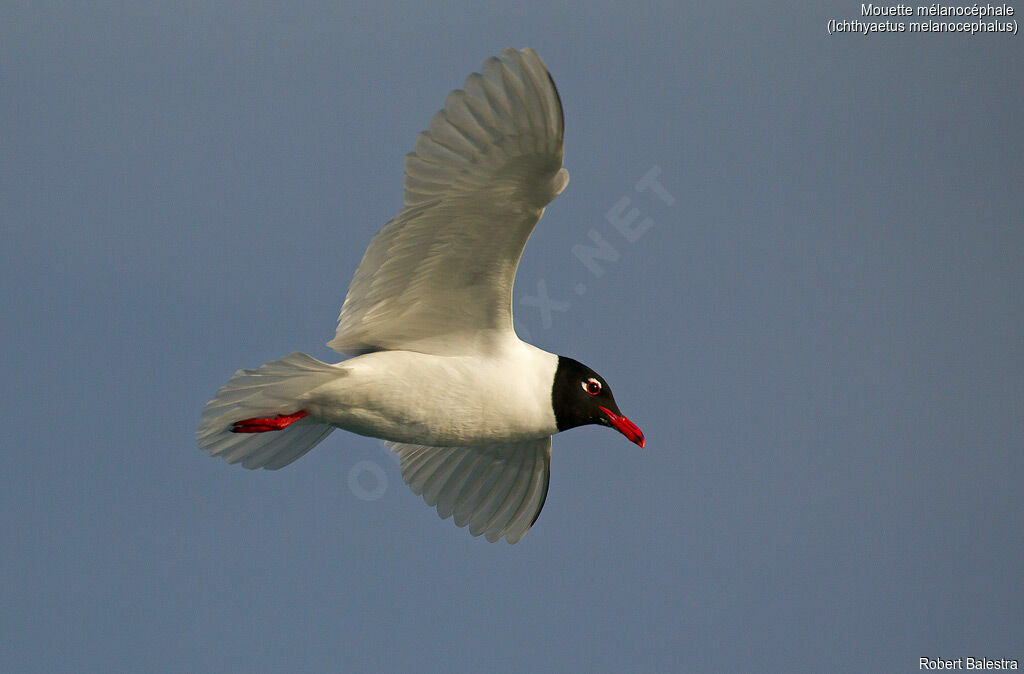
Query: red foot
pixel 264 424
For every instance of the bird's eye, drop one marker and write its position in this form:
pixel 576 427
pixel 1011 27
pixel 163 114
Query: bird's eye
pixel 592 386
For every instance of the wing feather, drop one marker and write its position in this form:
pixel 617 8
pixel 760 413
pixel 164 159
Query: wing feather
pixel 497 490
pixel 441 273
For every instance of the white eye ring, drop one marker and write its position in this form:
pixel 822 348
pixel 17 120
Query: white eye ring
pixel 591 386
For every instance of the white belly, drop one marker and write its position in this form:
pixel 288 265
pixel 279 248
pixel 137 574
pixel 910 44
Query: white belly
pixel 442 400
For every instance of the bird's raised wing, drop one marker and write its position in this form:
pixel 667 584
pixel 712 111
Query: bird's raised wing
pixel 439 276
pixel 497 489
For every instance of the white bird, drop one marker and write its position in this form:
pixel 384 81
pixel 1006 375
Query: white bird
pixel 437 369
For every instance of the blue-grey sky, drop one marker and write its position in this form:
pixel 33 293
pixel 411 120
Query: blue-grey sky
pixel 820 330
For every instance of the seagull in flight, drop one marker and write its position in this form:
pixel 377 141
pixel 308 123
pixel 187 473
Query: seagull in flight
pixel 435 368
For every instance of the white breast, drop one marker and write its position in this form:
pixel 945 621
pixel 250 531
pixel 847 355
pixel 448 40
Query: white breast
pixel 427 399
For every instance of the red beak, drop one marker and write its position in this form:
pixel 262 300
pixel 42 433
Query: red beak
pixel 625 426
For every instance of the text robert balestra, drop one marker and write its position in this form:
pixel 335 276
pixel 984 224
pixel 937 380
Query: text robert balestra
pixel 967 663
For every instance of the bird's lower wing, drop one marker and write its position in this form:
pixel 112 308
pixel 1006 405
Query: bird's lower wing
pixel 497 489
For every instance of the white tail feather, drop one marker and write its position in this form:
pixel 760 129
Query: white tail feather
pixel 275 388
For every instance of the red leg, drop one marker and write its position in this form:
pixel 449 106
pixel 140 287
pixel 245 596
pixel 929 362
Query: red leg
pixel 264 424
